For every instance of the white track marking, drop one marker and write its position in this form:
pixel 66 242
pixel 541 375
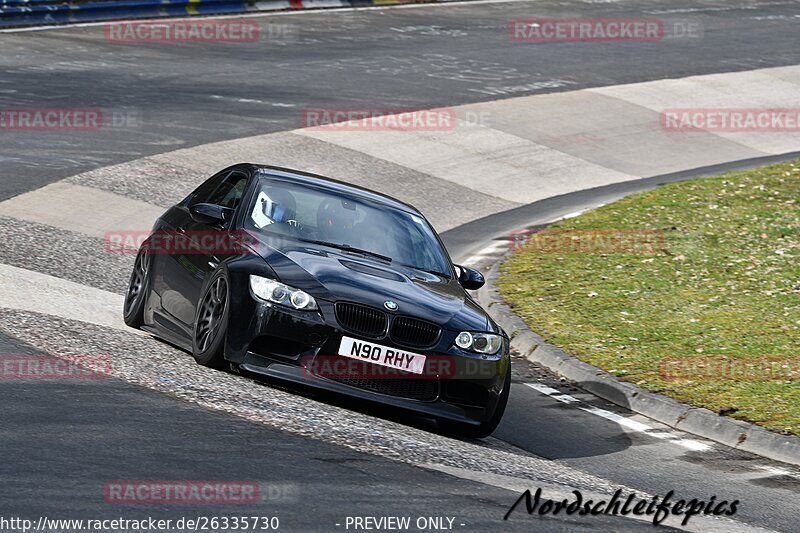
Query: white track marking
pixel 489 250
pixel 691 444
pixel 81 209
pixel 553 393
pixel 572 215
pixel 544 389
pixel 623 421
pixel 474 259
pixel 251 101
pixel 27 290
pixel 777 471
pixel 565 398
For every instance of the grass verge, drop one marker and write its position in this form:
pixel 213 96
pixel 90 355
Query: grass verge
pixel 691 290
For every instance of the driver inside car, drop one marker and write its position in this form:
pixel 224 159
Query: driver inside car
pixel 275 205
pixel 335 222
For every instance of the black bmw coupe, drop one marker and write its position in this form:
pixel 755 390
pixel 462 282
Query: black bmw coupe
pixel 314 281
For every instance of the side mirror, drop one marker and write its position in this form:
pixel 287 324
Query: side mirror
pixel 470 279
pixel 210 214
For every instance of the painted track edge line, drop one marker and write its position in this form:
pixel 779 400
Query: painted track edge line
pixel 633 425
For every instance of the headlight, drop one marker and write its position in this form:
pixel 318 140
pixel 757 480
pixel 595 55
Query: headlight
pixel 276 292
pixel 486 343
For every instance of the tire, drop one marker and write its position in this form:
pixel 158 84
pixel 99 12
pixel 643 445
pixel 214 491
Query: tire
pixel 138 287
pixel 211 322
pixel 485 428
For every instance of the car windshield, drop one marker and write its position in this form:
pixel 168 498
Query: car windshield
pixel 328 218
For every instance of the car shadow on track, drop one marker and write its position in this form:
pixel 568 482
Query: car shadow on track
pixel 548 429
pixel 542 425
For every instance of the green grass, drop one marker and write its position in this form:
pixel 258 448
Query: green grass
pixel 723 283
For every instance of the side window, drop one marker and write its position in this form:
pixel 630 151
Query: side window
pixel 230 192
pixel 202 194
pixel 420 247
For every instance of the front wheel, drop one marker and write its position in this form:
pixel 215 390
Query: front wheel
pixel 211 322
pixel 485 428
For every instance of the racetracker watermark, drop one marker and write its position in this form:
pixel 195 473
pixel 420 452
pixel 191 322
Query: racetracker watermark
pixel 54 368
pixel 172 242
pixel 377 119
pixel 63 119
pixel 182 492
pixel 726 368
pixel 756 120
pixel 340 368
pixel 555 241
pixel 568 30
pixel 186 31
pixel 142 524
pixel 435 366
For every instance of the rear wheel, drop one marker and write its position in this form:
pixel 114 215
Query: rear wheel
pixel 133 310
pixel 485 428
pixel 211 323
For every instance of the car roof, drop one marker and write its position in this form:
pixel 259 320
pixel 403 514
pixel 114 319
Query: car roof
pixel 299 176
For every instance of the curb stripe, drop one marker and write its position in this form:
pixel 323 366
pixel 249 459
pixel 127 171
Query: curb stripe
pixel 691 444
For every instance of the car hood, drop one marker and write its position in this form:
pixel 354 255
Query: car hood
pixel 334 275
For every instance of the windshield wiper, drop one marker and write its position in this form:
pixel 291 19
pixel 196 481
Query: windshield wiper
pixel 435 272
pixel 348 248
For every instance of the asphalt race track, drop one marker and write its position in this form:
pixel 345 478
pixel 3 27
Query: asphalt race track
pixel 401 57
pixel 319 459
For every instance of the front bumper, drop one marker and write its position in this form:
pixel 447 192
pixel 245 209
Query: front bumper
pixel 287 344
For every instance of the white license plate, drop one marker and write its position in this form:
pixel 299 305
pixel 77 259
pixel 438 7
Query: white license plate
pixel 382 355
